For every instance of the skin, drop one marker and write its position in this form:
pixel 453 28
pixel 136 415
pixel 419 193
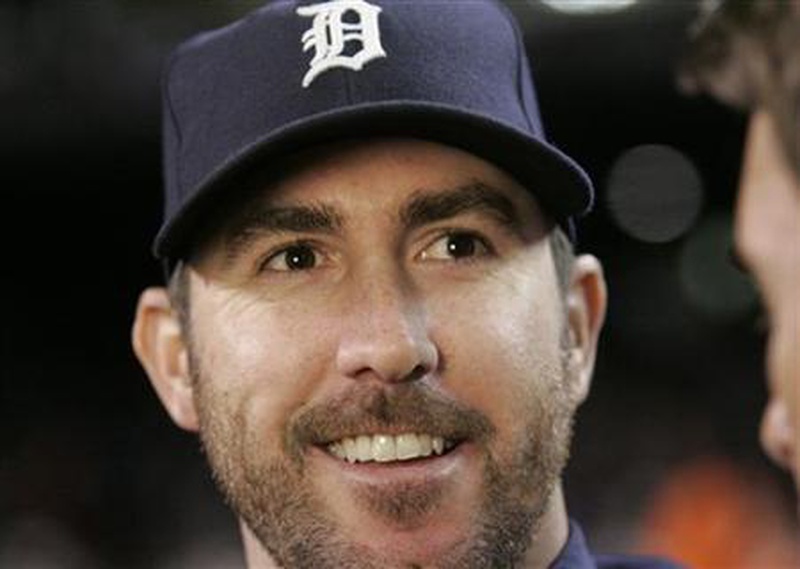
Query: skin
pixel 383 329
pixel 767 235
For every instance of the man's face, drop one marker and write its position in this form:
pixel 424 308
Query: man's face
pixel 768 240
pixel 381 364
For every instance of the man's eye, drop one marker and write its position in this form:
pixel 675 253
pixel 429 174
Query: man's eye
pixel 299 257
pixel 462 245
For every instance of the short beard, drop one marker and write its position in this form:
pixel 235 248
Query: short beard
pixel 279 504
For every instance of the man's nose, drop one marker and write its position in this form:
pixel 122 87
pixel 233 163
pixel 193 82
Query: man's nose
pixel 778 434
pixel 385 335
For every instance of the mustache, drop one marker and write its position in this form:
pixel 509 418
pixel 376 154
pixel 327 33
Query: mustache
pixel 394 409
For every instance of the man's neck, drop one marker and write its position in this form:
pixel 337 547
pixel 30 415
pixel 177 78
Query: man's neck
pixel 256 556
pixel 551 535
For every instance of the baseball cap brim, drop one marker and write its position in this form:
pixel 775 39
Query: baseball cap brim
pixel 562 188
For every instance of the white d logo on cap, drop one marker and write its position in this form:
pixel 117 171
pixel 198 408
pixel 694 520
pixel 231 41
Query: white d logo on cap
pixel 330 34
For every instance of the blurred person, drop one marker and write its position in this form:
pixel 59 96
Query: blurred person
pixel 713 511
pixel 374 318
pixel 747 53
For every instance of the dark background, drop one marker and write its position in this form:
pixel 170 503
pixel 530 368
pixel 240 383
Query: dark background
pixel 93 474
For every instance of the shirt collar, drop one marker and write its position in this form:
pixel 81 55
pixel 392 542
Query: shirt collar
pixel 575 554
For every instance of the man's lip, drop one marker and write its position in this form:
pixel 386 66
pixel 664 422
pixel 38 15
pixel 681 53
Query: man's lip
pixel 423 470
pixel 393 430
pixel 387 448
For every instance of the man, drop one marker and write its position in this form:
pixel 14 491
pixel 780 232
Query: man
pixel 747 53
pixel 374 320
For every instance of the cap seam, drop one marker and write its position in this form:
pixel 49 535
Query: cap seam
pixel 173 115
pixel 519 46
pixel 349 88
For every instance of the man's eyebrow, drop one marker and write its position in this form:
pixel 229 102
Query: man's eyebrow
pixel 291 219
pixel 430 207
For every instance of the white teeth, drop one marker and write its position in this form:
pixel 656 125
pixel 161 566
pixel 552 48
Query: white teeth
pixel 363 449
pixel 384 448
pixel 337 450
pixel 407 447
pixel 388 448
pixel 438 445
pixel 425 445
pixel 350 449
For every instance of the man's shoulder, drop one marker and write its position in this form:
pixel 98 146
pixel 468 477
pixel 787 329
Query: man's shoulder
pixel 576 555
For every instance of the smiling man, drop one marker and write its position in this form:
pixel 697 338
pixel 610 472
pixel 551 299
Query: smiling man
pixel 374 318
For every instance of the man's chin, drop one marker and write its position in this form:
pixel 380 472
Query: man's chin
pixel 373 542
pixel 416 511
pixel 435 544
pixel 401 495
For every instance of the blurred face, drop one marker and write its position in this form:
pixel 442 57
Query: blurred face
pixel 768 239
pixel 380 364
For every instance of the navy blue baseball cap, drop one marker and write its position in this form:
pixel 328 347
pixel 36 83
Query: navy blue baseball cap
pixel 295 74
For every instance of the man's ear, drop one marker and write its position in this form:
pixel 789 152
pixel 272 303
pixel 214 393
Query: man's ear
pixel 586 310
pixel 161 349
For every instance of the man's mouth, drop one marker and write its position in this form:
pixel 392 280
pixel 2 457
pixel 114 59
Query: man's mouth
pixel 389 448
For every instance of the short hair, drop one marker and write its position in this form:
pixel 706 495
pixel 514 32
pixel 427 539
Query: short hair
pixel 178 291
pixel 561 248
pixel 563 252
pixel 747 54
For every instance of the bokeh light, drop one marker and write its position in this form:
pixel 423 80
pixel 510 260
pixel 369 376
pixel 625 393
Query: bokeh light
pixel 589 6
pixel 654 193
